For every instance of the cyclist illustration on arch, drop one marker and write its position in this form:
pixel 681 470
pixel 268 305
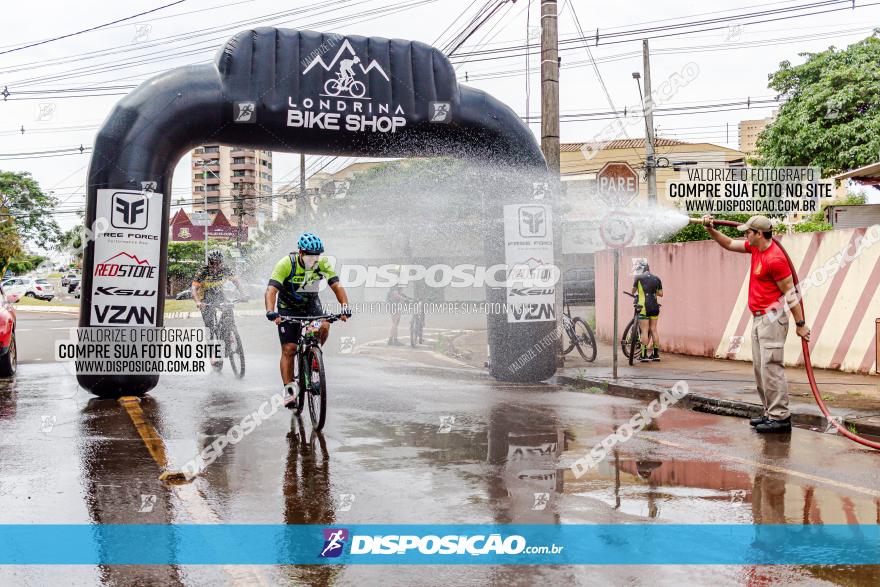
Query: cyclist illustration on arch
pixel 345 81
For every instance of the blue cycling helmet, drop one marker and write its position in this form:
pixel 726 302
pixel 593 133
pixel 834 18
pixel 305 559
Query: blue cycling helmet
pixel 310 243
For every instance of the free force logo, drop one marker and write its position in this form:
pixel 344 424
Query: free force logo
pixel 334 542
pixel 532 222
pixel 130 211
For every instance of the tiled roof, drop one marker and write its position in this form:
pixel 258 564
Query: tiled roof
pixel 619 144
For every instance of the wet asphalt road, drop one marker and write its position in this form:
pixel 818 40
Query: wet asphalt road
pixel 411 438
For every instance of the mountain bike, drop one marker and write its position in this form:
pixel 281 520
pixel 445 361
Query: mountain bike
pixel 309 367
pixel 225 330
pixel 631 341
pixel 417 326
pixel 579 335
pixel 336 86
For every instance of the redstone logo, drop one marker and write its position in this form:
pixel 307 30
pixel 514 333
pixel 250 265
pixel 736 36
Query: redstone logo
pixel 140 268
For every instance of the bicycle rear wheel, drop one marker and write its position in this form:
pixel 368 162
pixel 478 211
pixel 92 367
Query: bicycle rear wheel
pixel 235 353
pixel 568 335
pixel 317 390
pixel 584 339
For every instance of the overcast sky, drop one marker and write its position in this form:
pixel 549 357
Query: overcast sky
pixel 733 62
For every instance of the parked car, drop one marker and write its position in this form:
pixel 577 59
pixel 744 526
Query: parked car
pixel 8 353
pixel 579 286
pixel 29 287
pixel 42 289
pixel 73 284
pixel 65 280
pixel 77 291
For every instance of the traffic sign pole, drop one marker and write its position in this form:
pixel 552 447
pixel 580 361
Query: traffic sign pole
pixel 614 336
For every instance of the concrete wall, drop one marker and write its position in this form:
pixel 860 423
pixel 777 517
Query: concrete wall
pixel 704 309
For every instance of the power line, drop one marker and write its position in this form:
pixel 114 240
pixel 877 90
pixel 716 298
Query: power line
pixel 88 30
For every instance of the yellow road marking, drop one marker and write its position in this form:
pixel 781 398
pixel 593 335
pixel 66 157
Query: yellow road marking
pixel 773 468
pixel 191 500
pixel 151 438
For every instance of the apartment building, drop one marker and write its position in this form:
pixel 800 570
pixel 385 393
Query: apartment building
pixel 221 175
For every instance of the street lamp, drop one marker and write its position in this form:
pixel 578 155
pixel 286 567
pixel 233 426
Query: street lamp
pixel 637 76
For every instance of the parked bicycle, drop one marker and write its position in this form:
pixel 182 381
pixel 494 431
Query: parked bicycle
pixel 579 335
pixel 417 326
pixel 309 367
pixel 631 341
pixel 225 330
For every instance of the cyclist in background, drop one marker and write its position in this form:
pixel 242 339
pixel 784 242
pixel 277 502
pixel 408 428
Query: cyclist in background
pixel 207 286
pixel 293 291
pixel 648 288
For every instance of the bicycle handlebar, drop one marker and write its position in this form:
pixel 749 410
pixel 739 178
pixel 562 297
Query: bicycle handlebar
pixel 327 317
pixel 222 304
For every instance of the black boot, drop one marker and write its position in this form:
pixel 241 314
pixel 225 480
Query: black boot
pixel 756 421
pixel 656 356
pixel 771 426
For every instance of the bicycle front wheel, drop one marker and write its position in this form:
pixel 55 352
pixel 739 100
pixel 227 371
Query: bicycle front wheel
pixel 624 342
pixel 584 339
pixel 235 353
pixel 317 390
pixel 414 331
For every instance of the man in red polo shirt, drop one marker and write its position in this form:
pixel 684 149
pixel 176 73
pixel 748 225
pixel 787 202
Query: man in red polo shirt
pixel 769 280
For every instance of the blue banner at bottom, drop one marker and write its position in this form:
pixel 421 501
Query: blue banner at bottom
pixel 600 544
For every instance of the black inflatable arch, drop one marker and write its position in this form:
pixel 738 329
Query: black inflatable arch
pixel 274 89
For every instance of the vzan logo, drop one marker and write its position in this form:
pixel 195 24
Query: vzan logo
pixel 130 211
pixel 344 103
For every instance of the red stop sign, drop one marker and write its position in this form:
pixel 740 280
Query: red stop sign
pixel 618 184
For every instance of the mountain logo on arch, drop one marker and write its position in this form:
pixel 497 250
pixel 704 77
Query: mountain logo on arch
pixel 345 49
pixel 346 84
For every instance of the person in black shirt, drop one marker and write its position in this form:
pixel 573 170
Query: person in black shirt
pixel 648 287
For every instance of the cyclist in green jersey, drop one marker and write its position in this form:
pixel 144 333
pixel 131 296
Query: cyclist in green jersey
pixel 293 291
pixel 649 288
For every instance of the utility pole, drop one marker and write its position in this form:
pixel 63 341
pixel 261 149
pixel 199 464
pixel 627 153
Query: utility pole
pixel 205 206
pixel 239 211
pixel 550 88
pixel 550 142
pixel 651 162
pixel 302 179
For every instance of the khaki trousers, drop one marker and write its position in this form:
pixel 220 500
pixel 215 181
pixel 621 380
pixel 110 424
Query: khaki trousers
pixel 768 340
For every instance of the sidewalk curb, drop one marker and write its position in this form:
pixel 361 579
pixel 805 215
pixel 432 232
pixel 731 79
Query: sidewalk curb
pixel 709 405
pixel 51 309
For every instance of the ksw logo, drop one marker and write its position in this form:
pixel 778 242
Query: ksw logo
pixel 116 291
pixel 532 221
pixel 124 315
pixel 532 312
pixel 129 211
pixel 334 542
pixel 531 291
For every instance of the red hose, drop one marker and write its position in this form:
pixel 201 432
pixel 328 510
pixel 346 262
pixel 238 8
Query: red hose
pixel 807 362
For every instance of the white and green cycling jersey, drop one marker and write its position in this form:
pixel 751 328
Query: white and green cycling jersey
pixel 298 286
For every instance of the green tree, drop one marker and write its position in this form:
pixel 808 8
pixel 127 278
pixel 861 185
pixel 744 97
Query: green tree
pixel 831 114
pixel 25 216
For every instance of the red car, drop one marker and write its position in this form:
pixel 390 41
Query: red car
pixel 8 354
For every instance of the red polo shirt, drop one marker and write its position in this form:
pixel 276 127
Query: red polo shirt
pixel 768 267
